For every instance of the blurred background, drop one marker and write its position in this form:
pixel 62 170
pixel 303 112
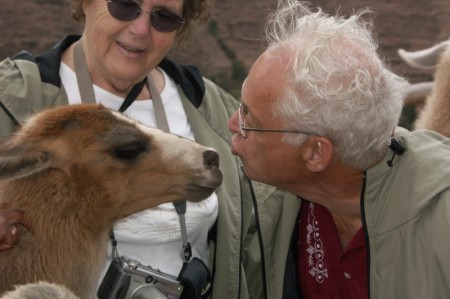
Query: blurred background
pixel 225 47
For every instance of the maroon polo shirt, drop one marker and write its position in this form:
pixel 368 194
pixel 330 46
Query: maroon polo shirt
pixel 327 271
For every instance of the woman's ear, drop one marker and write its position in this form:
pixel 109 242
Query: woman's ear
pixel 319 153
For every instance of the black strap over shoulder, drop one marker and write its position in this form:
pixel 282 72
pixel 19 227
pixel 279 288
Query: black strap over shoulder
pixel 9 114
pixel 132 95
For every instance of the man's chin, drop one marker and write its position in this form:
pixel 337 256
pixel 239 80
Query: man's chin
pixel 233 150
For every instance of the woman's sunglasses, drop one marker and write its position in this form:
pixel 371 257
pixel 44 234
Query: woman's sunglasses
pixel 161 19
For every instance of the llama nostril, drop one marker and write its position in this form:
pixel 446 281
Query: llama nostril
pixel 211 158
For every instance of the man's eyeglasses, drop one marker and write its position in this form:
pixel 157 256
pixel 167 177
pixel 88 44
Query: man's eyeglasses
pixel 243 127
pixel 161 19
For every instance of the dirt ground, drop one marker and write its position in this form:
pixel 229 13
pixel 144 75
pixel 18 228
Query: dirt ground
pixel 235 30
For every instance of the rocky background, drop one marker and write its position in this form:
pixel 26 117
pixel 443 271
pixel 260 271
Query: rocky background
pixel 226 46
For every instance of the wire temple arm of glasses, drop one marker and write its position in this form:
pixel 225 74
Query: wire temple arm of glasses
pixel 273 130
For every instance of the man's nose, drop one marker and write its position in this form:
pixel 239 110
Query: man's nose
pixel 233 124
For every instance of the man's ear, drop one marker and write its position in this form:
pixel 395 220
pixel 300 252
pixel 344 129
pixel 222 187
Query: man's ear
pixel 319 153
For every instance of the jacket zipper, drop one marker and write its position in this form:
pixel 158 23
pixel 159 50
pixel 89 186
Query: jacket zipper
pixel 366 233
pixel 240 247
pixel 258 228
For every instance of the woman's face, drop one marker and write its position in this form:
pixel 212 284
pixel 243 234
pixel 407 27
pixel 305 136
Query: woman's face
pixel 122 53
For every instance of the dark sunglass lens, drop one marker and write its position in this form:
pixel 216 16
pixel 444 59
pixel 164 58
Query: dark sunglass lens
pixel 123 10
pixel 165 21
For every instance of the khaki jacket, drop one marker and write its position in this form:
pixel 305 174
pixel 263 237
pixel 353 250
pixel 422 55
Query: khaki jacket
pixel 407 219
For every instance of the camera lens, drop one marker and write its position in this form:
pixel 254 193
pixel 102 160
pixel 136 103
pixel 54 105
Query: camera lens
pixel 147 291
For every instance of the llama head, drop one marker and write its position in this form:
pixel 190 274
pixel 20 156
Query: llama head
pixel 86 160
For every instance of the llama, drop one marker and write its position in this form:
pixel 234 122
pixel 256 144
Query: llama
pixel 426 61
pixel 77 169
pixel 435 114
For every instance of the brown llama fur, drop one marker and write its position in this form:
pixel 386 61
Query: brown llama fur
pixel 40 290
pixel 432 98
pixel 436 113
pixel 77 169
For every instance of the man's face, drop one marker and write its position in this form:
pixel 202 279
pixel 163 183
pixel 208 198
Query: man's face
pixel 265 156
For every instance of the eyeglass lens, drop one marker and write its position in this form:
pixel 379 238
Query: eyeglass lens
pixel 161 19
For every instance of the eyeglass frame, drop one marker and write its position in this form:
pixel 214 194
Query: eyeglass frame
pixel 150 13
pixel 243 128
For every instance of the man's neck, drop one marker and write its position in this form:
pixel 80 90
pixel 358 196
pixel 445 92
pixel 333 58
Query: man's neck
pixel 340 193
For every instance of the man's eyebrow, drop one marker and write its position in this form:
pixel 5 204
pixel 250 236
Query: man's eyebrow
pixel 245 107
pixel 250 118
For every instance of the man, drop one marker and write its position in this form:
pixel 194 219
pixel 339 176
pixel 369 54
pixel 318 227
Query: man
pixel 318 118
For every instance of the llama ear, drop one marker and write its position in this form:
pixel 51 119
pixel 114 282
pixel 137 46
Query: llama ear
pixel 447 51
pixel 426 59
pixel 14 165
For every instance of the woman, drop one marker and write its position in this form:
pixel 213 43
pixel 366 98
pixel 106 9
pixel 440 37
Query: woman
pixel 125 43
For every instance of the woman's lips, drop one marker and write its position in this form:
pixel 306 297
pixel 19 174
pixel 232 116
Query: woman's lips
pixel 131 49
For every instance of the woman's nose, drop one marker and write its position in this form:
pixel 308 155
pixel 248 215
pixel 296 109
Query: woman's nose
pixel 141 26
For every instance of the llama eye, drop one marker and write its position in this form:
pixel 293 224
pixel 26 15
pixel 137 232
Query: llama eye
pixel 130 151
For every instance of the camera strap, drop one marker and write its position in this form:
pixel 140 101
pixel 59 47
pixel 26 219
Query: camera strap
pixel 10 115
pixel 88 96
pixel 186 250
pixel 194 274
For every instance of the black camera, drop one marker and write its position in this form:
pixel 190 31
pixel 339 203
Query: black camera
pixel 128 279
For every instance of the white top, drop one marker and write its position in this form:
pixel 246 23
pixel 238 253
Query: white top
pixel 153 236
